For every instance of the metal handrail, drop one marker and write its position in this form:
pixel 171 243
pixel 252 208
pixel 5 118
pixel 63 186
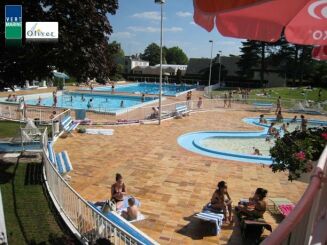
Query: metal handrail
pixel 284 229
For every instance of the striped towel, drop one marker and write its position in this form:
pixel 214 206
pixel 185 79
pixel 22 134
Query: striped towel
pixel 286 209
pixel 216 218
pixel 63 162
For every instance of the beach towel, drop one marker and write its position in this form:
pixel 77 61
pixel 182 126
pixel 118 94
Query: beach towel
pixel 99 131
pixel 286 209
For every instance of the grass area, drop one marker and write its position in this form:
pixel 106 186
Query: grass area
pixel 9 129
pixel 300 93
pixel 30 218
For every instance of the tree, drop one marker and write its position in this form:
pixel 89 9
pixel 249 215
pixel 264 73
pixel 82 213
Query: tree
pixel 152 54
pixel 179 76
pixel 175 55
pixel 84 31
pixel 116 57
pixel 249 59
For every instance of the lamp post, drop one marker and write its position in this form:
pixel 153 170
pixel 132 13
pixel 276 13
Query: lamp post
pixel 219 68
pixel 161 2
pixel 210 69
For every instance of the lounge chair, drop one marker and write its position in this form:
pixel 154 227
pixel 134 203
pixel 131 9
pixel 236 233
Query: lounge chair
pixel 282 206
pixel 126 226
pixel 260 106
pixel 252 230
pixel 181 110
pixel 68 125
pixel 64 165
pixel 207 214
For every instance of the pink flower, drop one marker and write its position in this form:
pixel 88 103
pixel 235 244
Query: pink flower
pixel 300 156
pixel 324 136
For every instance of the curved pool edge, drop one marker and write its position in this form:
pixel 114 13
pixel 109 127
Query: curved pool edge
pixel 192 141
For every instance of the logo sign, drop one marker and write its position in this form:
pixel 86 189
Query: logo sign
pixel 42 31
pixel 318 9
pixel 13 20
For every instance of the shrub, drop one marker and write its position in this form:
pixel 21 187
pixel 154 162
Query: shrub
pixel 296 151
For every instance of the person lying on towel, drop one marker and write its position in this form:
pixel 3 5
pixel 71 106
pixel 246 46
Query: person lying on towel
pixel 221 200
pixel 132 210
pixel 255 207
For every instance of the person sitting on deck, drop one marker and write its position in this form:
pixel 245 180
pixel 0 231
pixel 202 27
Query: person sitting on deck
pixel 118 190
pixel 132 210
pixel 262 119
pixel 279 116
pixel 221 200
pixel 294 119
pixel 255 208
pixel 155 113
pixel 273 131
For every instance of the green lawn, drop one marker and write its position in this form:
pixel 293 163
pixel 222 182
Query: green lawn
pixel 30 219
pixel 299 93
pixel 9 129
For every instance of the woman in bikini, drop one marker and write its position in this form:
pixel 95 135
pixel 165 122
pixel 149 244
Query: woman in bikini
pixel 256 206
pixel 118 190
pixel 221 200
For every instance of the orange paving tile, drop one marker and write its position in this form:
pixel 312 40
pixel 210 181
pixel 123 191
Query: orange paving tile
pixel 171 182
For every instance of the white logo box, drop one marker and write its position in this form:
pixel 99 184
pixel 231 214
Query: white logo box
pixel 41 30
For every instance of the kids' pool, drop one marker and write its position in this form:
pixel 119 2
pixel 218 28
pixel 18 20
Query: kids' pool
pixel 239 146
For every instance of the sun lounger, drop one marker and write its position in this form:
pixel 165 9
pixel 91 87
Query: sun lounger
pixel 68 125
pixel 99 131
pixel 252 230
pixel 51 154
pixel 282 205
pixel 64 164
pixel 260 106
pixel 181 110
pixel 208 214
pixel 126 226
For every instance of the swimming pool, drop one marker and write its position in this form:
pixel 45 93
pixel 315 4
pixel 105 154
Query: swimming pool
pixel 17 147
pixel 100 102
pixel 240 145
pixel 149 88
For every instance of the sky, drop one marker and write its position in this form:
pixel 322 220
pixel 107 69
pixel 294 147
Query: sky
pixel 137 24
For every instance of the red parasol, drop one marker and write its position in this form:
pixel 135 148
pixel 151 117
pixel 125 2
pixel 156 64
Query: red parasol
pixel 305 21
pixel 319 53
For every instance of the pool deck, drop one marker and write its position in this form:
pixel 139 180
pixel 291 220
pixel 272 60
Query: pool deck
pixel 172 183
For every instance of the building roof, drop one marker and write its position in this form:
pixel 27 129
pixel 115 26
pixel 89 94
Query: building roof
pixel 197 66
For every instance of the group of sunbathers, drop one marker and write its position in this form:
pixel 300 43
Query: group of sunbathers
pixel 252 208
pixel 12 98
pixel 118 191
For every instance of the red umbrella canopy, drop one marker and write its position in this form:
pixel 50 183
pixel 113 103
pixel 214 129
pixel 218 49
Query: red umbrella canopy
pixel 305 21
pixel 319 53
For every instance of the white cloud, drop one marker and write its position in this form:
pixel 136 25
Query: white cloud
pixel 150 15
pixel 124 34
pixel 192 23
pixel 151 29
pixel 183 14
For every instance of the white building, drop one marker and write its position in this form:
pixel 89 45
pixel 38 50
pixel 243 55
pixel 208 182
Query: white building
pixel 131 63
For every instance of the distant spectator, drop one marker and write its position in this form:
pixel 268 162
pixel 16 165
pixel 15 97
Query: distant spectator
pixel 200 103
pixel 304 123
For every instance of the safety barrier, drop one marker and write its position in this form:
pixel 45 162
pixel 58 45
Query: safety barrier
pixel 306 224
pixel 86 223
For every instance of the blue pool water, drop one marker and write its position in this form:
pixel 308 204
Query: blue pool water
pixel 102 103
pixel 148 88
pixel 238 146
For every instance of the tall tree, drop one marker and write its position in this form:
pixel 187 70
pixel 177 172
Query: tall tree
pixel 250 51
pixel 84 31
pixel 176 55
pixel 152 54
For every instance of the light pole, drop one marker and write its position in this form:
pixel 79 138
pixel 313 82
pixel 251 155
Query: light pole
pixel 161 2
pixel 219 68
pixel 209 82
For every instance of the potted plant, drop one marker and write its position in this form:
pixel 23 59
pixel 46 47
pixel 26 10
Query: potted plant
pixel 298 152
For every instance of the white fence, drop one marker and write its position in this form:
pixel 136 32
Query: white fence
pixel 85 222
